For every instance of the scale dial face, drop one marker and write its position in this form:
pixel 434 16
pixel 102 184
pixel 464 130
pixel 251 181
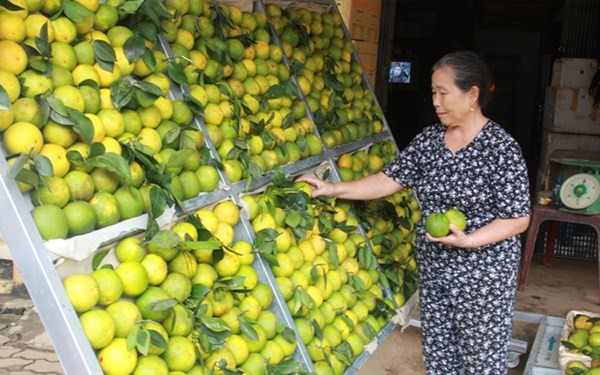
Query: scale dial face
pixel 580 191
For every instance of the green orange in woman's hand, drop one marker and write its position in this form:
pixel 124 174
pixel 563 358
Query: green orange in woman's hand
pixel 457 218
pixel 437 225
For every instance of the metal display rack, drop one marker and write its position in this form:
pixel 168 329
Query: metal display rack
pixel 38 266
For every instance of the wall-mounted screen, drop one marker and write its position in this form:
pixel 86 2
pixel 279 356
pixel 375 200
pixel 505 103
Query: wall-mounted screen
pixel 401 72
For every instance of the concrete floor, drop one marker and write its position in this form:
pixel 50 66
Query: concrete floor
pixel 550 290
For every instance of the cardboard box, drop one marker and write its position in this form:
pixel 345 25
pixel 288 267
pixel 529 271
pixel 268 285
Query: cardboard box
pixel 571 110
pixel 362 18
pixel 576 73
pixel 367 54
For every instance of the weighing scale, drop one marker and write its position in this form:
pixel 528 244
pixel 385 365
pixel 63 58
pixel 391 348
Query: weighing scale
pixel 580 192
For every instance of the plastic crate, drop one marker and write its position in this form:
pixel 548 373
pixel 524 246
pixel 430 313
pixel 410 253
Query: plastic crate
pixel 543 359
pixel 573 241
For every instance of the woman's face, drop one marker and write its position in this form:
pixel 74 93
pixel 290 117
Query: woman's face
pixel 451 104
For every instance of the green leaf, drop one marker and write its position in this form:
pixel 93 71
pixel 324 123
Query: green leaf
pixel 10 6
pixel 121 93
pixel 178 158
pixel 332 252
pixel 104 52
pixel 199 291
pixel 143 98
pixel 230 283
pixel 34 52
pixel 293 219
pixel 155 10
pixel 149 59
pixel 75 158
pixel 157 339
pixel 42 43
pixel 130 6
pixel 317 328
pixel 203 341
pixel 176 73
pixel 55 116
pixel 270 258
pixel 344 353
pixel 42 165
pixel 275 91
pixel 106 65
pixel 170 137
pixel 385 283
pixel 356 282
pixel 247 329
pixel 158 201
pixel 98 258
pixel 568 345
pixel 287 366
pixel 167 239
pixel 4 100
pixel 147 29
pixel 162 305
pixel 82 125
pixel 134 47
pixel 18 165
pixel 75 11
pixel 148 87
pixel 305 299
pixel 114 163
pixel 297 67
pixel 289 335
pixel 57 106
pixel 255 170
pixel 368 330
pixel 215 324
pixel 132 338
pixel 203 245
pixel 28 177
pixel 291 89
pixel 96 149
pixel 142 341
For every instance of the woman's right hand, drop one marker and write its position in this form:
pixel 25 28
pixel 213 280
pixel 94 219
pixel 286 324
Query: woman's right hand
pixel 319 187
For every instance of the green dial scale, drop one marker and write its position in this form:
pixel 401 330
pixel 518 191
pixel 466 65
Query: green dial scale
pixel 580 192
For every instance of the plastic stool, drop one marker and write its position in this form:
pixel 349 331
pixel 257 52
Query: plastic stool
pixel 541 214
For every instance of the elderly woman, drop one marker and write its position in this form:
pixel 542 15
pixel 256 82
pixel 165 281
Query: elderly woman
pixel 467 279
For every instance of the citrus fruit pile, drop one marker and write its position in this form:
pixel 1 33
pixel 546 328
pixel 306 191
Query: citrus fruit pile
pixel 390 224
pixel 437 224
pixel 352 166
pixel 253 111
pixel 188 300
pixel 330 79
pixel 324 271
pixel 90 96
pixel 583 342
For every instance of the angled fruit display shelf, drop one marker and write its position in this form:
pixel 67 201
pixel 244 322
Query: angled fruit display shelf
pixel 166 136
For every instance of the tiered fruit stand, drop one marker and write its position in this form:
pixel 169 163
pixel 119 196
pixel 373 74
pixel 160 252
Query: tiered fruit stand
pixel 44 270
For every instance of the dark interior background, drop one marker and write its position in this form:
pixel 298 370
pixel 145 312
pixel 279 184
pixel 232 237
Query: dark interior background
pixel 519 40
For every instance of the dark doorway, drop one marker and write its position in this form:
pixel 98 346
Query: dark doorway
pixel 517 38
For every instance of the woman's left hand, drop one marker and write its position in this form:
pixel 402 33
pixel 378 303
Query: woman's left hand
pixel 456 238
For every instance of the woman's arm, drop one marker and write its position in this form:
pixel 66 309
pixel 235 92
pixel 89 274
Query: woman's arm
pixel 370 187
pixel 497 230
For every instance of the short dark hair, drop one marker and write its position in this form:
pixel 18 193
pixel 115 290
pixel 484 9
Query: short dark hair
pixel 469 70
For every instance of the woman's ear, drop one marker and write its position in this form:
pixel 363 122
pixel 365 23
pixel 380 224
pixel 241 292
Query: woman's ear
pixel 474 94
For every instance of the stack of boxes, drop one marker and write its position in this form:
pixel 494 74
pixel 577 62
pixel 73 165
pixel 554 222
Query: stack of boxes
pixel 571 132
pixel 362 18
pixel 571 122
